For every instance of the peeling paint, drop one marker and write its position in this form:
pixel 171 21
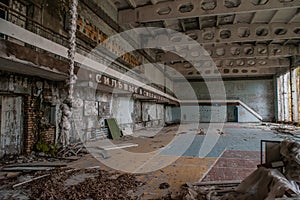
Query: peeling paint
pixel 11 127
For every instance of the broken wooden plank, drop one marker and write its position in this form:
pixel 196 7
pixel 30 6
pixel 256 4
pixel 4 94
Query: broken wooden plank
pixel 13 169
pixel 31 167
pixel 28 181
pixel 215 183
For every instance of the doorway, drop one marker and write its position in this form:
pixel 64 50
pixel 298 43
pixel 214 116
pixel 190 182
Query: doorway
pixel 11 125
pixel 232 113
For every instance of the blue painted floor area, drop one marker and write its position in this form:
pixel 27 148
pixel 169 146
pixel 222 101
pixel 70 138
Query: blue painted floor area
pixel 243 139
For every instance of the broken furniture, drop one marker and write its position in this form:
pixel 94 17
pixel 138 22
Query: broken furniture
pixel 113 127
pixel 270 156
pixel 278 176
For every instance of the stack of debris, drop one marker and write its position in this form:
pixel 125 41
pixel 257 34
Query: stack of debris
pixel 286 129
pixel 268 182
pixel 76 149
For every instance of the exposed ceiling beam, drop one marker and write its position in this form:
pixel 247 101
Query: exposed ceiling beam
pixel 232 33
pixel 235 19
pixel 273 16
pixel 295 16
pixel 233 51
pixel 253 17
pixel 176 9
pixel 232 63
pixel 224 72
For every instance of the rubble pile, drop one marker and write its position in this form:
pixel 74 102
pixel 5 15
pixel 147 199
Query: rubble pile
pixel 290 150
pixel 204 192
pixel 285 129
pixel 19 159
pixel 98 185
pixel 263 184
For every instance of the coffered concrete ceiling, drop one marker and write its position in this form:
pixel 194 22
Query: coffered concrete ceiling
pixel 244 38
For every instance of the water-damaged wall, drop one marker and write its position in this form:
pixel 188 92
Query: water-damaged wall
pixel 11 125
pixel 27 104
pixel 153 114
pixel 257 94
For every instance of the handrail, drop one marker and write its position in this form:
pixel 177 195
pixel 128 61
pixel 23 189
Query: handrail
pixel 258 116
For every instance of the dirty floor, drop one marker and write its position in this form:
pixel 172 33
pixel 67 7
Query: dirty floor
pixel 163 159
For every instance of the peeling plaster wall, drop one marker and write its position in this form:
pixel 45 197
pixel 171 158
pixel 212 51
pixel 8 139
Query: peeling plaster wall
pixel 168 114
pixel 11 125
pixel 20 106
pixel 131 114
pixel 90 109
pixel 153 114
pixel 123 111
pixel 288 101
pixel 87 115
pixel 257 94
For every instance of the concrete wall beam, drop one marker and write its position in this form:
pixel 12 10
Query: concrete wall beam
pixel 230 33
pixel 196 8
pixel 233 51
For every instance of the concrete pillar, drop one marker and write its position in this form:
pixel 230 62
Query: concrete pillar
pixel 294 96
pixel 278 99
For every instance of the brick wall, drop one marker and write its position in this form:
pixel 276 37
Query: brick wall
pixel 30 121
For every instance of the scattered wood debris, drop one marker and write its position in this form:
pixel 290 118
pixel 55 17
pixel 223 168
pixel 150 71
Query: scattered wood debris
pixel 72 150
pixel 99 185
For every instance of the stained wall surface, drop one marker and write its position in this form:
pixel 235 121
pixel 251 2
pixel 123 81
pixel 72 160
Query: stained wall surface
pixel 257 94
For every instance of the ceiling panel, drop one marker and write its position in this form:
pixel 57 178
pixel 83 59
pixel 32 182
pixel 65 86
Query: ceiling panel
pixel 243 22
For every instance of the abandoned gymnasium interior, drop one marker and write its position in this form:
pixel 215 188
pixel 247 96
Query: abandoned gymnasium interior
pixel 150 99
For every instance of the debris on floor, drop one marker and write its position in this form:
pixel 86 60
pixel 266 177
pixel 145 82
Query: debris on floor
pixel 291 130
pixel 263 184
pixel 288 129
pixel 76 184
pixel 201 132
pixel 76 149
pixel 164 186
pixel 205 191
pixel 28 168
pixel 20 159
pixel 31 179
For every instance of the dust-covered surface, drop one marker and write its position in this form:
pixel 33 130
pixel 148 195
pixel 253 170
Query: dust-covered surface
pixel 73 184
pixel 79 181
